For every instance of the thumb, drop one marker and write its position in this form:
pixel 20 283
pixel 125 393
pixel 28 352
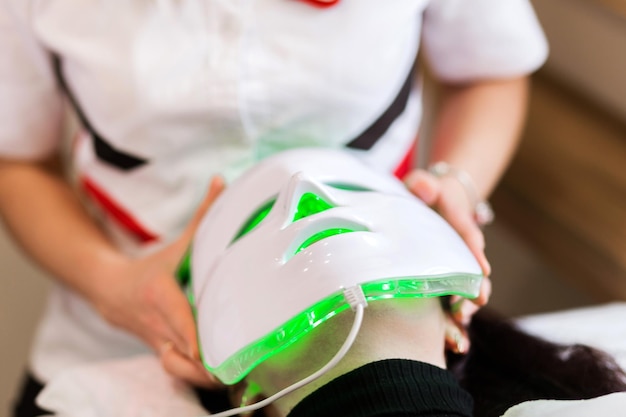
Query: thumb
pixel 424 185
pixel 215 189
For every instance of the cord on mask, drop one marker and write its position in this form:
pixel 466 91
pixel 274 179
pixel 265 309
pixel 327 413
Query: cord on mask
pixel 355 297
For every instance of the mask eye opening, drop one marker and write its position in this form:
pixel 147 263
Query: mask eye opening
pixel 254 220
pixel 310 204
pixel 348 187
pixel 323 235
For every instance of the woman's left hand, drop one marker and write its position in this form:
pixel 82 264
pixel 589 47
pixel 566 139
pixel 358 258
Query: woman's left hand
pixel 447 196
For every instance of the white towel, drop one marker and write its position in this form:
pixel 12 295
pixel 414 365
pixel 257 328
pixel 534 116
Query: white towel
pixel 612 405
pixel 602 327
pixel 134 387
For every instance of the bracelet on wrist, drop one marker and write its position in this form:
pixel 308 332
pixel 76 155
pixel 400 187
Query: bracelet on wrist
pixel 483 213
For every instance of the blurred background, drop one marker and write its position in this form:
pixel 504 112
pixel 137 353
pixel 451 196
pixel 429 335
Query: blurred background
pixel 559 240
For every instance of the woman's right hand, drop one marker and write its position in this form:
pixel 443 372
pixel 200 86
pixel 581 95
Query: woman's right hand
pixel 448 197
pixel 143 297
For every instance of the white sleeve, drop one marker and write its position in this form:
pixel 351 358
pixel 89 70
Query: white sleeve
pixel 30 101
pixel 466 40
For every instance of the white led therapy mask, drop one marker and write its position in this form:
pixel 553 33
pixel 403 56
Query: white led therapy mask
pixel 273 254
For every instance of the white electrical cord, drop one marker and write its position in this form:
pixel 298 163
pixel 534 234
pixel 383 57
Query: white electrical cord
pixel 354 296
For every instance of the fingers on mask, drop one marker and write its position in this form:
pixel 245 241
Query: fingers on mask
pixel 456 337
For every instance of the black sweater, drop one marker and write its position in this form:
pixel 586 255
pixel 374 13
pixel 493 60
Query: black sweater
pixel 389 388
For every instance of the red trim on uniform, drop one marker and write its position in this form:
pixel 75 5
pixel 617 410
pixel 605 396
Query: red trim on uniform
pixel 321 4
pixel 125 219
pixel 406 165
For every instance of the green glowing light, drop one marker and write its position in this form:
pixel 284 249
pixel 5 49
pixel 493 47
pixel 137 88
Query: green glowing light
pixel 237 366
pixel 252 391
pixel 309 205
pixel 322 235
pixel 183 277
pixel 256 218
pixel 183 273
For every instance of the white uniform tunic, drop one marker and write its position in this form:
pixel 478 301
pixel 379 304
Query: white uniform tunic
pixel 174 91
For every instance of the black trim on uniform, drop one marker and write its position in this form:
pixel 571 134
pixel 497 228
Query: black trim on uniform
pixel 112 156
pixel 366 140
pixel 25 405
pixel 126 162
pixel 103 149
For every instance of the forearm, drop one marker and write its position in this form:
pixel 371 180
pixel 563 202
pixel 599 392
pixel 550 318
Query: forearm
pixel 47 220
pixel 137 295
pixel 478 128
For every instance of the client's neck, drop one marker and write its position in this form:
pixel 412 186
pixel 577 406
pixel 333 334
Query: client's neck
pixel 405 329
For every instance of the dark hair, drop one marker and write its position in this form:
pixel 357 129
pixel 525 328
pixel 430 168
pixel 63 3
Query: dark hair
pixel 506 366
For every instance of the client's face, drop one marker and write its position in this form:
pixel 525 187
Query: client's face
pixel 413 329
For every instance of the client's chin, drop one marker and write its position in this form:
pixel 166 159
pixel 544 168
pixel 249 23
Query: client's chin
pixel 411 329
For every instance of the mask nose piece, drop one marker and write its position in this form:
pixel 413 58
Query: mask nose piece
pixel 303 197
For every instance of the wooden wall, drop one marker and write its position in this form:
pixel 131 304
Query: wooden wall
pixel 565 192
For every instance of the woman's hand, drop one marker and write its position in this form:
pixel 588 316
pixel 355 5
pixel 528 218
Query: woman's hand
pixel 447 196
pixel 143 297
